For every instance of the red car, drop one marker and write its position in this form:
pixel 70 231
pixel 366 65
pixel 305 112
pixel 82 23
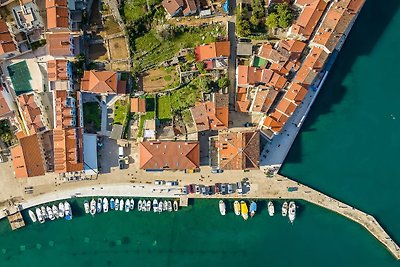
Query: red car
pixel 191 189
pixel 217 188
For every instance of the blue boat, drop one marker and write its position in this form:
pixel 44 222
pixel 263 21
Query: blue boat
pixel 253 208
pixel 68 211
pixel 112 203
pixel 292 189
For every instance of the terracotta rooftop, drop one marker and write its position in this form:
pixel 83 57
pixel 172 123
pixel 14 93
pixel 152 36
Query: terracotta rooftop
pixel 354 6
pixel 138 105
pixel 59 44
pixel 189 7
pixel 296 93
pixel 57 17
pixel 277 81
pixel 294 47
pixel 100 82
pixel 64 112
pixel 212 50
pixel 6 42
pixel 53 3
pixel 67 150
pixel 173 155
pixel 264 99
pixel 57 70
pixel 27 157
pixel 212 115
pixel 4 108
pixel 309 17
pixel 272 124
pixel 242 103
pixel 246 75
pixel 286 107
pixel 171 6
pixel 239 150
pixel 31 113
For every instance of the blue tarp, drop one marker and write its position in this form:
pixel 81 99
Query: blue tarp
pixel 226 6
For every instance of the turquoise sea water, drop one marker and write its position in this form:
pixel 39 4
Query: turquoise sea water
pixel 348 148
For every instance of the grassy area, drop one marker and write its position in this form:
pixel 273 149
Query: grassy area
pixel 111 26
pixel 185 97
pixel 187 117
pixel 92 116
pixel 150 51
pixel 149 115
pixel 164 108
pixel 135 9
pixel 121 109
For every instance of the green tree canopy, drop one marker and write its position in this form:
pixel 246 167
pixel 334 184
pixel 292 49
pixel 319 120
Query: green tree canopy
pixel 280 15
pixel 223 83
pixel 272 20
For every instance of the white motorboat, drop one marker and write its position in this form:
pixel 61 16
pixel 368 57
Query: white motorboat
pixel 93 207
pixel 139 205
pixel 39 215
pixel 169 205
pixel 68 211
pixel 132 206
pixel 222 207
pixel 292 211
pixel 176 206
pixel 86 206
pixel 44 213
pixel 165 205
pixel 148 205
pixel 121 204
pixel 105 204
pixel 155 205
pixel 99 207
pixel 33 216
pixel 160 206
pixel 61 210
pixel 50 213
pixel 284 209
pixel 55 211
pixel 117 204
pixel 271 208
pixel 127 205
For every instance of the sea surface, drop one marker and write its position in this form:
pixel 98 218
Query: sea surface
pixel 349 148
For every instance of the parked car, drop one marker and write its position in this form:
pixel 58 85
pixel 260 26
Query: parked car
pixel 210 190
pixel 230 189
pixel 239 187
pixel 184 190
pixel 217 188
pixel 223 189
pixel 217 171
pixel 197 189
pixel 120 152
pixel 121 164
pixel 204 190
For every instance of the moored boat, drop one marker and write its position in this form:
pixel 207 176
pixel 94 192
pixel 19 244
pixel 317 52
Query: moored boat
pixel 271 208
pixel 244 210
pixel 99 205
pixel 236 207
pixel 253 208
pixel 160 206
pixel 61 210
pixel 169 205
pixel 112 203
pixel 165 206
pixel 127 205
pixel 105 204
pixel 44 213
pixel 39 215
pixel 139 205
pixel 155 205
pixel 176 206
pixel 55 211
pixel 93 207
pixel 132 206
pixel 148 205
pixel 117 204
pixel 292 211
pixel 32 215
pixel 222 207
pixel 86 206
pixel 284 209
pixel 68 211
pixel 121 204
pixel 50 213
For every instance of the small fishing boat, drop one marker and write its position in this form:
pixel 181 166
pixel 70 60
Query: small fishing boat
pixel 160 206
pixel 33 216
pixel 50 213
pixel 127 205
pixel 55 211
pixel 44 213
pixel 253 208
pixel 99 205
pixel 155 205
pixel 139 205
pixel 68 211
pixel 292 211
pixel 244 210
pixel 285 207
pixel 132 206
pixel 271 208
pixel 165 206
pixel 112 203
pixel 61 210
pixel 116 204
pixel 236 207
pixel 222 207
pixel 169 205
pixel 148 205
pixel 176 206
pixel 86 206
pixel 121 204
pixel 39 215
pixel 105 204
pixel 93 207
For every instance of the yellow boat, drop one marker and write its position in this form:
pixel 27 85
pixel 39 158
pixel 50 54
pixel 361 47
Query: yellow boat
pixel 244 210
pixel 236 207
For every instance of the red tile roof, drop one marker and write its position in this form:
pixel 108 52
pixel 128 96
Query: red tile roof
pixel 311 65
pixel 212 115
pixel 173 155
pixel 67 150
pixel 264 99
pixel 101 82
pixel 309 17
pixel 296 93
pixel 138 105
pixel 57 70
pixel 4 108
pixel 31 113
pixel 212 50
pixel 6 42
pixel 59 44
pixel 171 6
pixel 286 107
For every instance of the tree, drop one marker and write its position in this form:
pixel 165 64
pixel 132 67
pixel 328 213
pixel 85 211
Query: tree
pixel 254 20
pixel 280 15
pixel 223 83
pixel 200 66
pixel 243 28
pixel 204 85
pixel 272 21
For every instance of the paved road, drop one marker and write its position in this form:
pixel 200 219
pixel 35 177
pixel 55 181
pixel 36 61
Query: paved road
pixel 232 62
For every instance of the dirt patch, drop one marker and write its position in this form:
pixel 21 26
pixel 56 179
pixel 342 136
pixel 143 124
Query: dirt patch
pixel 157 79
pixel 119 66
pixel 118 49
